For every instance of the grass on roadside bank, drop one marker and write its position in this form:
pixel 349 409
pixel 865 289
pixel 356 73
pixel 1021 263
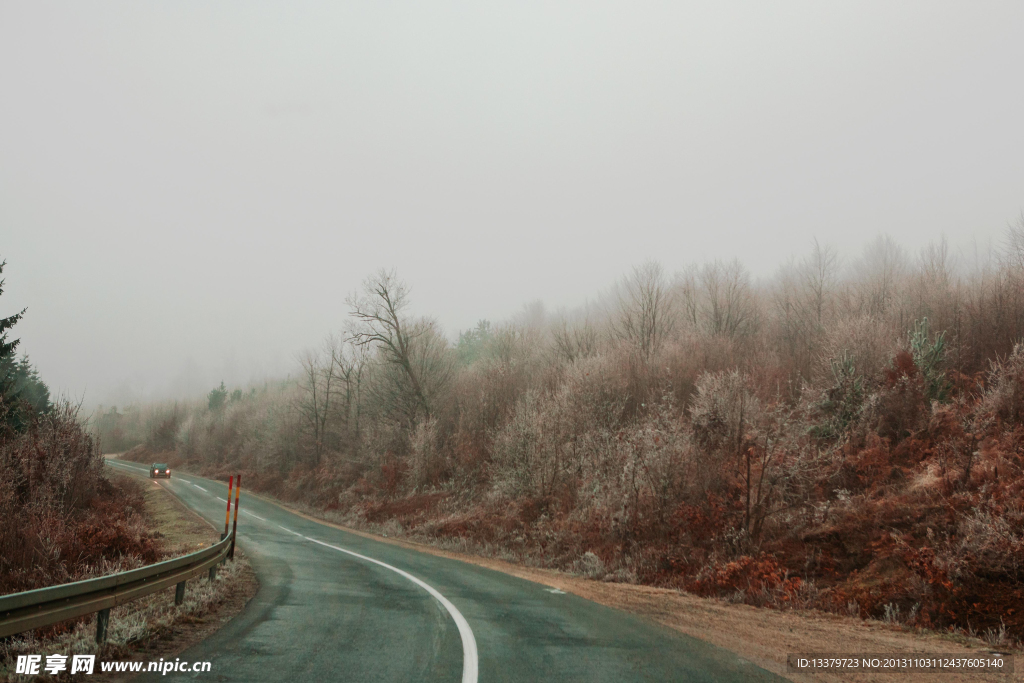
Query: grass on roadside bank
pixel 146 623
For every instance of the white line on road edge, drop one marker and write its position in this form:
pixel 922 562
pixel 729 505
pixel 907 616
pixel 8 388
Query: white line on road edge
pixel 470 658
pixel 469 654
pixel 131 467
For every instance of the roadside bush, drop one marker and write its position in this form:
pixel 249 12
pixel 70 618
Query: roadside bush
pixel 792 444
pixel 722 409
pixel 1004 396
pixel 63 520
pixel 841 403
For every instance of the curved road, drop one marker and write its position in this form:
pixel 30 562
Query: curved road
pixel 335 606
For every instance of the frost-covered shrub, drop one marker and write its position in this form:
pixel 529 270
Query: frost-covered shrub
pixel 63 520
pixel 556 439
pixel 987 543
pixel 868 341
pixel 1004 397
pixel 590 566
pixel 722 406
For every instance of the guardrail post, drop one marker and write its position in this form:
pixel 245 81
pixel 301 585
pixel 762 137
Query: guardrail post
pixel 234 528
pixel 102 619
pixel 227 515
pixel 21 612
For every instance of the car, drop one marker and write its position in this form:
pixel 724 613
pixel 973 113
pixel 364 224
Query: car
pixel 159 469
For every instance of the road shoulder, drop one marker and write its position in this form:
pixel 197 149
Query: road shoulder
pixel 152 627
pixel 183 530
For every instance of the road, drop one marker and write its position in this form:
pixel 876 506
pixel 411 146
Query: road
pixel 335 606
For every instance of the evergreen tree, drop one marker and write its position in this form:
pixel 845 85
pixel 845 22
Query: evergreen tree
pixel 30 387
pixel 11 413
pixel 473 342
pixel 217 397
pixel 929 357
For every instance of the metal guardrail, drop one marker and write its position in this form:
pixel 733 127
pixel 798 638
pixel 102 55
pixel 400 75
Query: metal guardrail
pixel 21 612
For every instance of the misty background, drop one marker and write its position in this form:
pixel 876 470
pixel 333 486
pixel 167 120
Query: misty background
pixel 189 191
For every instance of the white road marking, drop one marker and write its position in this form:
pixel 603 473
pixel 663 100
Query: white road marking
pixel 470 657
pixel 200 487
pixel 470 663
pixel 555 591
pixel 131 467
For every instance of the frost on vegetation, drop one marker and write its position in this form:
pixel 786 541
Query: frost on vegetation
pixel 129 623
pixel 758 445
pixel 63 519
pixel 893 616
pixel 842 402
pixel 987 541
pixel 590 566
pixel 929 353
pixel 722 405
pixel 392 528
pixel 998 637
pixel 1004 396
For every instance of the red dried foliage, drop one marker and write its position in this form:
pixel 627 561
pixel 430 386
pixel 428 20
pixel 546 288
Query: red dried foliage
pixel 901 502
pixel 751 575
pixel 408 510
pixel 391 475
pixel 63 520
pixel 903 368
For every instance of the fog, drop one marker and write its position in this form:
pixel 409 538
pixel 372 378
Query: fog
pixel 188 191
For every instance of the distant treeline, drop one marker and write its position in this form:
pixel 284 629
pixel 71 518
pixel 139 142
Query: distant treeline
pixel 845 436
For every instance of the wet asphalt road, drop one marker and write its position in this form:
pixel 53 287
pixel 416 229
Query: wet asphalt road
pixel 323 613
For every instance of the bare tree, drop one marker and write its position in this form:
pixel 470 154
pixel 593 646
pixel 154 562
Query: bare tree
pixel 417 354
pixel 575 340
pixel 882 270
pixel 319 377
pixel 687 294
pixel 1014 276
pixel 1013 252
pixel 726 301
pixel 819 274
pixel 794 317
pixel 645 314
pixel 351 360
pixel 804 299
pixel 379 308
pixel 938 267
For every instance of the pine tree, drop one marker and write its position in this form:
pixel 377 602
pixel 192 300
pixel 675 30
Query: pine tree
pixel 217 397
pixel 10 410
pixel 929 357
pixel 30 387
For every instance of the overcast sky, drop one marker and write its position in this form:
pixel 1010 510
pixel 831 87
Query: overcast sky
pixel 188 190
